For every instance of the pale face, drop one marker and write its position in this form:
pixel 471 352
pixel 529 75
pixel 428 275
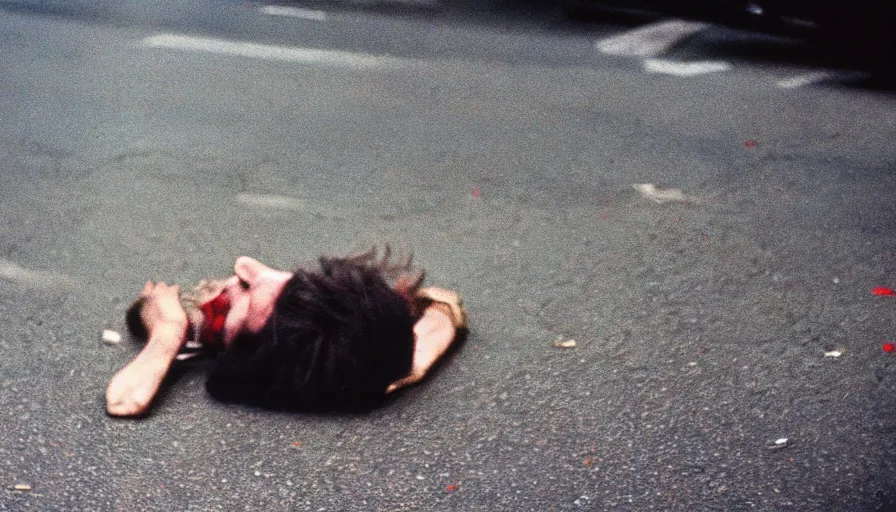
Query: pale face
pixel 252 293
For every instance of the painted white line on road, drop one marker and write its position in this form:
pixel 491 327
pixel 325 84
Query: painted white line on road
pixel 650 40
pixel 668 67
pixel 294 12
pixel 271 201
pixel 804 79
pixel 311 56
pixel 14 272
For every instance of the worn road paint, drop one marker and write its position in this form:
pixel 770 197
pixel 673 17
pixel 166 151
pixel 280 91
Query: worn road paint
pixel 804 79
pixel 650 40
pixel 14 272
pixel 668 67
pixel 271 201
pixel 311 56
pixel 294 12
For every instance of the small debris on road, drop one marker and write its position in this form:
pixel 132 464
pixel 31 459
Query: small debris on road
pixel 22 488
pixel 476 192
pixel 450 488
pixel 889 347
pixel 834 353
pixel 779 443
pixel 660 196
pixel 565 343
pixel 750 143
pixel 111 337
pixel 881 290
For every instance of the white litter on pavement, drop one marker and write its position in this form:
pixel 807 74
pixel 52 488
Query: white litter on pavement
pixel 833 353
pixel 565 343
pixel 111 337
pixel 779 443
pixel 659 195
pixel 650 40
pixel 668 67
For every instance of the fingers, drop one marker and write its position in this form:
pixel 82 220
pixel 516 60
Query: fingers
pixel 151 288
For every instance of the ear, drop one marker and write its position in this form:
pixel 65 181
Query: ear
pixel 247 268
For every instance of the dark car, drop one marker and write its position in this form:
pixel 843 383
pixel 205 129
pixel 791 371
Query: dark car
pixel 856 33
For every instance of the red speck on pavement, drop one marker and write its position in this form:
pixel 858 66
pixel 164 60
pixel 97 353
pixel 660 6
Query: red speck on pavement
pixel 884 291
pixel 476 192
pixel 450 488
pixel 889 347
pixel 750 143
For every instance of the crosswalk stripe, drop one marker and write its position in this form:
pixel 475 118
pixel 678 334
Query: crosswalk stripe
pixel 312 56
pixel 294 12
pixel 668 67
pixel 650 40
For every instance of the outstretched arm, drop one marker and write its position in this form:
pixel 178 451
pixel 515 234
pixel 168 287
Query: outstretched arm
pixel 133 388
pixel 434 333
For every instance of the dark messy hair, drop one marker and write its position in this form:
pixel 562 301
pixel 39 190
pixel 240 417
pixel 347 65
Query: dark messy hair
pixel 338 336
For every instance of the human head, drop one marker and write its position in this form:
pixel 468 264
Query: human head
pixel 336 337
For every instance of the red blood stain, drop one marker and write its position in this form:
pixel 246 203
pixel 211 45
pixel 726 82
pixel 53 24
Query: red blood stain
pixel 450 488
pixel 750 143
pixel 884 291
pixel 476 192
pixel 889 347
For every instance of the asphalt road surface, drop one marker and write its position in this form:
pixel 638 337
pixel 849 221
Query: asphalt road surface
pixel 728 341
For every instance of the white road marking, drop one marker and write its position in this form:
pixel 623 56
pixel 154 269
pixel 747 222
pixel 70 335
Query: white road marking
pixel 312 56
pixel 804 79
pixel 650 40
pixel 14 272
pixel 294 12
pixel 668 67
pixel 271 201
